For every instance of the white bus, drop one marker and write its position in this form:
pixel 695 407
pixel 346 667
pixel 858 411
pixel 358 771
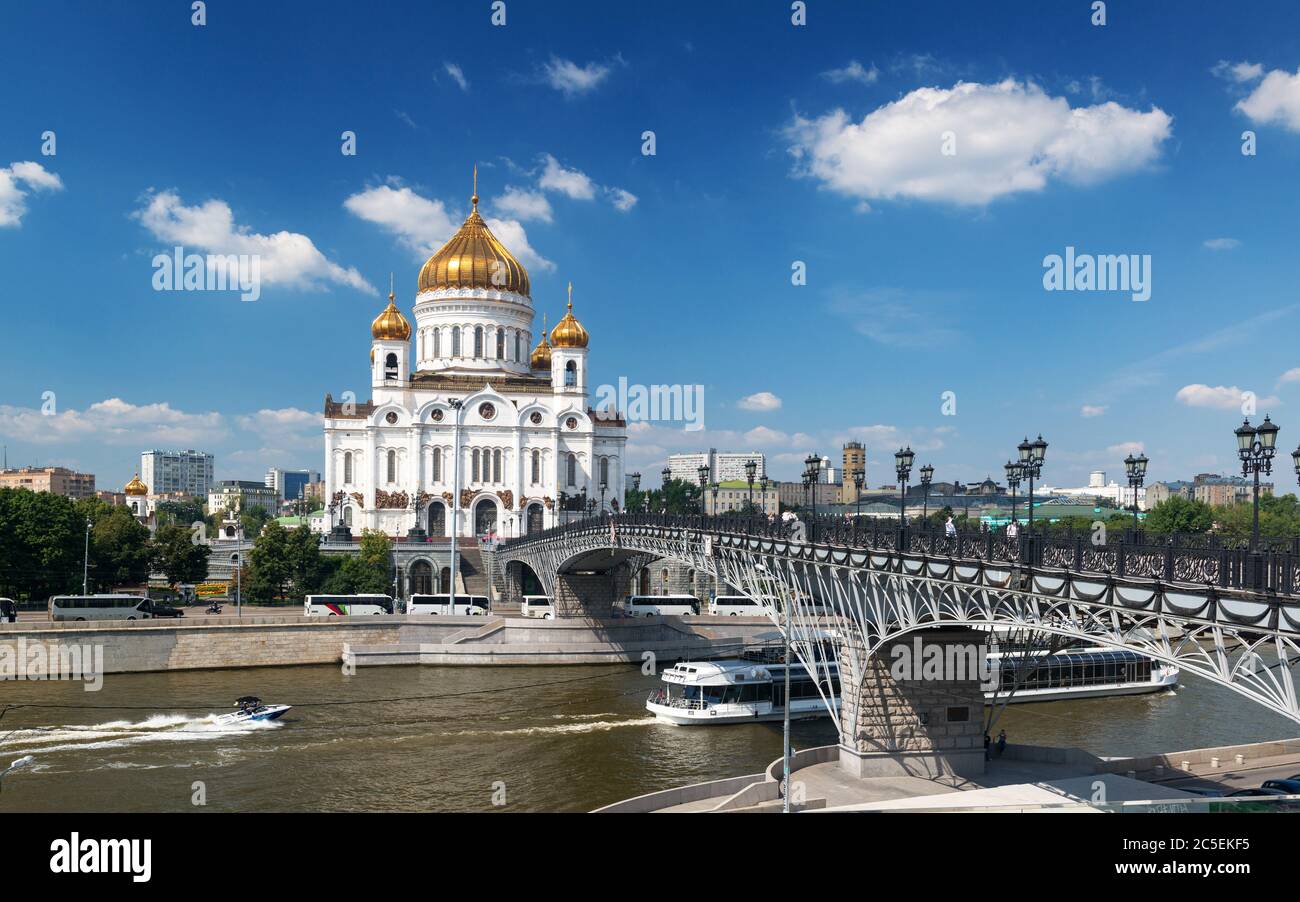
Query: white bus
pixel 658 605
pixel 347 605
pixel 740 606
pixel 538 607
pixel 99 607
pixel 466 605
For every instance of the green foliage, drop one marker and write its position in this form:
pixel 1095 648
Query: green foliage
pixel 180 513
pixel 368 571
pixel 41 544
pixel 253 520
pixel 1179 514
pixel 175 554
pixel 119 548
pixel 269 568
pixel 1279 517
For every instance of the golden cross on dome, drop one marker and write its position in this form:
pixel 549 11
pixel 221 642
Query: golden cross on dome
pixel 474 197
pixel 570 295
pixel 390 288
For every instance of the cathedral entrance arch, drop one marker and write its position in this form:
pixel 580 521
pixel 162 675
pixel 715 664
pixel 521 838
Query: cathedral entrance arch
pixel 485 517
pixel 421 578
pixel 437 518
pixel 534 522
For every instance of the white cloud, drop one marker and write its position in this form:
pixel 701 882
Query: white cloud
pixel 112 421
pixel 524 205
pixel 571 79
pixel 1222 244
pixel 1291 375
pixel 569 182
pixel 1238 72
pixel 1010 137
pixel 1275 100
pixel 287 258
pixel 16 180
pixel 419 223
pixel 622 200
pixel 1125 449
pixel 1092 410
pixel 457 75
pixel 762 436
pixel 852 72
pixel 511 233
pixel 1218 397
pixel 763 400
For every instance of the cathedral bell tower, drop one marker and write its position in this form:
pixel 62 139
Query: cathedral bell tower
pixel 390 350
pixel 569 354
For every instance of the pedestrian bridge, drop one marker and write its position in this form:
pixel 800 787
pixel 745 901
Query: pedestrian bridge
pixel 1226 613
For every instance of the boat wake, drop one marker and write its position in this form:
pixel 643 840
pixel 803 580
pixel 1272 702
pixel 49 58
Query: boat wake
pixel 589 727
pixel 120 733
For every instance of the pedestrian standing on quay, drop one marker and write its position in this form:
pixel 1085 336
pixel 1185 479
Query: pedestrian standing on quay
pixel 1002 742
pixel 987 741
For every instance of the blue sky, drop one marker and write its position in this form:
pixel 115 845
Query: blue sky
pixel 775 144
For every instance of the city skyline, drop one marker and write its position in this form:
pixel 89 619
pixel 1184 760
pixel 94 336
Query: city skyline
pixel 924 270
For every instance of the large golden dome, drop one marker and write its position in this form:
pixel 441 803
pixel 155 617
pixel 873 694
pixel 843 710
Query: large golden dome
pixel 136 487
pixel 390 325
pixel 568 332
pixel 541 356
pixel 474 258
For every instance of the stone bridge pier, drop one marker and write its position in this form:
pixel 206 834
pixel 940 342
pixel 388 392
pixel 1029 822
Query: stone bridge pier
pixel 916 707
pixel 586 591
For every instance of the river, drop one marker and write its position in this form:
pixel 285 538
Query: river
pixel 464 738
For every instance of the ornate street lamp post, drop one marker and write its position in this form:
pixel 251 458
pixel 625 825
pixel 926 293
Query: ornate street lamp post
pixel 1136 468
pixel 763 483
pixel 714 489
pixel 859 475
pixel 603 488
pixel 703 473
pixel 927 476
pixel 903 458
pixel 667 474
pixel 1031 467
pixel 814 465
pixel 636 486
pixel 751 467
pixel 1013 483
pixel 1256 446
pixel 1295 459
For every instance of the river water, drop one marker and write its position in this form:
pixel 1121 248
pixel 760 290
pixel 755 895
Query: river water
pixel 464 738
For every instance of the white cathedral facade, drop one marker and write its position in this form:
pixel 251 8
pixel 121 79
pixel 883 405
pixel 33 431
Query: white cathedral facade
pixel 463 415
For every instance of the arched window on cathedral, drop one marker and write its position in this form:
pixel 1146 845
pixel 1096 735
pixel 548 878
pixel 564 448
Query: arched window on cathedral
pixel 436 469
pixel 604 471
pixel 437 343
pixel 571 470
pixel 475 467
pixel 392 466
pixel 347 468
pixel 501 343
pixel 536 469
pixel 347 516
pixel 571 373
pixel 519 353
pixel 478 341
pixel 455 341
pixel 496 465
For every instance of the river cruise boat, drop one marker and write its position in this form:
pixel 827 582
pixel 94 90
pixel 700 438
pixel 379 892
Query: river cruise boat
pixel 752 687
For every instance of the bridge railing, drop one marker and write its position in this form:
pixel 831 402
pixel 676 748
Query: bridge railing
pixel 1224 561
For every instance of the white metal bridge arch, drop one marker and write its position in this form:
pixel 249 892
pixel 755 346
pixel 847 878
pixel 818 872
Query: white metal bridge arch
pixel 1245 641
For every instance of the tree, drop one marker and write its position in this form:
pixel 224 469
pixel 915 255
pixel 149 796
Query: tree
pixel 119 549
pixel 41 544
pixel 269 568
pixel 1179 514
pixel 182 513
pixel 175 554
pixel 306 564
pixel 253 519
pixel 682 497
pixel 368 571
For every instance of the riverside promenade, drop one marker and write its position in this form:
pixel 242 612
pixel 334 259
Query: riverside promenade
pixel 270 640
pixel 1024 778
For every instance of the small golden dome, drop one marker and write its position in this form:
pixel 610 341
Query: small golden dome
pixel 474 258
pixel 568 332
pixel 136 487
pixel 541 357
pixel 390 325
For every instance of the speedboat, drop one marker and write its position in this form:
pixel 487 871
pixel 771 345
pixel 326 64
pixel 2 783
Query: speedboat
pixel 250 709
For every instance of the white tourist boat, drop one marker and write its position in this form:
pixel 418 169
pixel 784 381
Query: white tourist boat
pixel 752 687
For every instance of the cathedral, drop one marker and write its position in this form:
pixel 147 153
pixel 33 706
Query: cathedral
pixel 464 399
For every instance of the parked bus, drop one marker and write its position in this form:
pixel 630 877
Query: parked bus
pixel 741 606
pixel 99 607
pixel 347 605
pixel 466 605
pixel 658 605
pixel 538 607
